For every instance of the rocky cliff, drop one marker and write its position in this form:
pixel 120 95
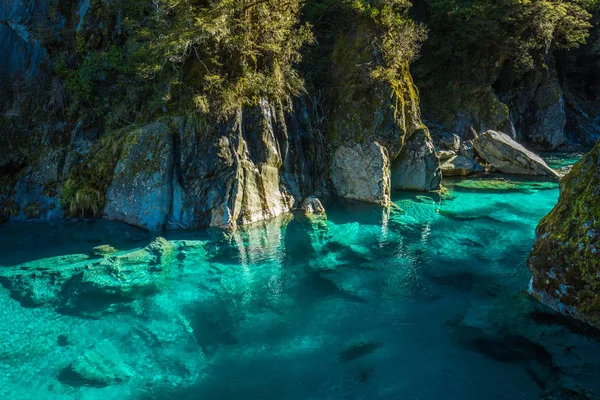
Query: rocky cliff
pixel 191 169
pixel 566 257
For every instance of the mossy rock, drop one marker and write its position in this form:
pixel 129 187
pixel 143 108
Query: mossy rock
pixel 566 257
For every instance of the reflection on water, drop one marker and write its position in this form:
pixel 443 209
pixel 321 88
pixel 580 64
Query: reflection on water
pixel 424 301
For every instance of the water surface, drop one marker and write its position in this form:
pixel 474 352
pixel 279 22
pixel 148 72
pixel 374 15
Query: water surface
pixel 427 301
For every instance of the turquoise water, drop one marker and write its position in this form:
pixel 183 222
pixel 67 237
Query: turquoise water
pixel 427 301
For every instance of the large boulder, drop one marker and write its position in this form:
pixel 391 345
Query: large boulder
pixel 79 284
pixel 140 193
pixel 510 157
pixel 361 171
pixel 417 167
pixel 460 166
pixel 565 261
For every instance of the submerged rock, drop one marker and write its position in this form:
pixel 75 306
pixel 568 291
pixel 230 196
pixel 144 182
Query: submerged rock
pixel 565 261
pixel 76 284
pixel 103 250
pixel 362 172
pixel 460 166
pixel 101 365
pixel 510 157
pixel 417 167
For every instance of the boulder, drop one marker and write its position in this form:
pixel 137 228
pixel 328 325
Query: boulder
pixel 361 171
pixel 444 155
pixel 417 167
pixel 140 193
pixel 467 149
pixel 451 143
pixel 312 205
pixel 510 157
pixel 460 166
pixel 565 260
pixel 100 365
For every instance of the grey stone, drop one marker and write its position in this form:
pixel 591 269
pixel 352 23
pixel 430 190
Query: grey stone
pixel 548 130
pixel 460 166
pixel 140 193
pixel 444 155
pixel 417 167
pixel 451 143
pixel 510 157
pixel 312 205
pixel 467 150
pixel 362 172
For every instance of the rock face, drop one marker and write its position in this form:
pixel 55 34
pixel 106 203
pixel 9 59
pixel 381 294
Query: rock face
pixel 77 284
pixel 565 261
pixel 244 171
pixel 417 166
pixel 460 166
pixel 362 172
pixel 141 189
pixel 547 132
pixel 510 157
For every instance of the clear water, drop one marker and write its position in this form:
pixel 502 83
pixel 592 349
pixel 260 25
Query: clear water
pixel 425 302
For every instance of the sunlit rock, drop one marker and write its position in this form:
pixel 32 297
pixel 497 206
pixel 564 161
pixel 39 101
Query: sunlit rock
pixel 417 167
pixel 510 157
pixel 460 166
pixel 312 205
pixel 362 172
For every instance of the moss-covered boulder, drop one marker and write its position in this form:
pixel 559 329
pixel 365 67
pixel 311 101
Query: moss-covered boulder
pixel 566 257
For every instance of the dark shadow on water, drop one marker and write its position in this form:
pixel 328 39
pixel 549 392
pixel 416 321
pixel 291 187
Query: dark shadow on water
pixel 21 242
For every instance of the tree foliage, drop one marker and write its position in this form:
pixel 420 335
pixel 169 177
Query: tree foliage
pixel 470 39
pixel 212 56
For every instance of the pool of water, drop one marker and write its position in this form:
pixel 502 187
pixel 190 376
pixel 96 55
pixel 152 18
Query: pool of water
pixel 425 301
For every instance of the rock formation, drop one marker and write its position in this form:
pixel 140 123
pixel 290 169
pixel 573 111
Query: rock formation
pixel 565 261
pixel 510 157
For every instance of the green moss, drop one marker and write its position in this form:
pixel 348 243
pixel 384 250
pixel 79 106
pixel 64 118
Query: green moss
pixel 84 191
pixel 565 258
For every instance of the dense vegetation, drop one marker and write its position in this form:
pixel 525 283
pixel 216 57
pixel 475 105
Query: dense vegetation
pixel 470 43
